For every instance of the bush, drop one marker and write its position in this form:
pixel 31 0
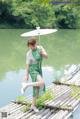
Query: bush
pixel 65 17
pixel 32 13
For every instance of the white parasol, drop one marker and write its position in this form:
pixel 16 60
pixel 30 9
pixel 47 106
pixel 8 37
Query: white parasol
pixel 38 32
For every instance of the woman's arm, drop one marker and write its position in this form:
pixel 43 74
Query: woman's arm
pixel 27 66
pixel 44 53
pixel 27 72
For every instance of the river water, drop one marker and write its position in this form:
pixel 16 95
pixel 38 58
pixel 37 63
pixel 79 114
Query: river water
pixel 10 86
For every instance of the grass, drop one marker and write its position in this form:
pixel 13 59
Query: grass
pixel 48 95
pixel 62 47
pixel 75 92
pixel 22 100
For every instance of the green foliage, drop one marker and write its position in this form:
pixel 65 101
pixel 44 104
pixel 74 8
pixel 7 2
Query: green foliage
pixel 32 13
pixel 40 101
pixel 22 12
pixel 75 92
pixel 47 96
pixel 26 108
pixel 21 99
pixel 65 17
pixel 5 11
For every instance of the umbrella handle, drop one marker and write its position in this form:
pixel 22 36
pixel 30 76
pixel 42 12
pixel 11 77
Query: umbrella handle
pixel 38 28
pixel 39 39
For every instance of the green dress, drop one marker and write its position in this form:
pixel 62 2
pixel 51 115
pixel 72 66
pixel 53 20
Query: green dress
pixel 35 69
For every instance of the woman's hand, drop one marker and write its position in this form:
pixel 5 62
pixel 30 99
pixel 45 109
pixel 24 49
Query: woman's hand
pixel 27 77
pixel 43 53
pixel 27 72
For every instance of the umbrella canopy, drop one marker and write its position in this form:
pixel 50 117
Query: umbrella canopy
pixel 38 32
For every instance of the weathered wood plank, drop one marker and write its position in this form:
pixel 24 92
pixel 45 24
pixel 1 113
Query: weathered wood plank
pixel 5 107
pixel 60 114
pixel 62 106
pixel 21 115
pixel 27 116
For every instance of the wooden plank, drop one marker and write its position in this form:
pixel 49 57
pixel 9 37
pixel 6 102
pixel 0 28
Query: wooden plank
pixel 22 103
pixel 68 101
pixel 5 107
pixel 68 115
pixel 10 110
pixel 60 114
pixel 75 103
pixel 56 111
pixel 44 113
pixel 58 105
pixel 27 116
pixel 47 115
pixel 54 104
pixel 57 99
pixel 67 106
pixel 60 108
pixel 18 108
pixel 64 101
pixel 55 108
pixel 64 92
pixel 71 113
pixel 71 101
pixel 20 116
pixel 14 115
pixel 65 83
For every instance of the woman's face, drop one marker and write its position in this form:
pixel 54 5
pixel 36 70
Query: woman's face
pixel 32 47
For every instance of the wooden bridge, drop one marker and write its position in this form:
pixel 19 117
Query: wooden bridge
pixel 61 107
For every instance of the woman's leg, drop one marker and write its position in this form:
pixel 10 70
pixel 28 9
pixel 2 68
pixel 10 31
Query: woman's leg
pixel 36 92
pixel 34 101
pixel 36 89
pixel 33 106
pixel 39 82
pixel 34 96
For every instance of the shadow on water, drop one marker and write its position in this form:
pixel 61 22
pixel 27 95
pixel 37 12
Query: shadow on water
pixel 11 85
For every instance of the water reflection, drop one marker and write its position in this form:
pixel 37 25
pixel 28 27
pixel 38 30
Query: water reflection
pixel 10 87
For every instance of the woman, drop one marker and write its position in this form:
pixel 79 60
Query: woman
pixel 34 63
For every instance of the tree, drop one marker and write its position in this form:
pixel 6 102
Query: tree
pixel 32 13
pixel 65 16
